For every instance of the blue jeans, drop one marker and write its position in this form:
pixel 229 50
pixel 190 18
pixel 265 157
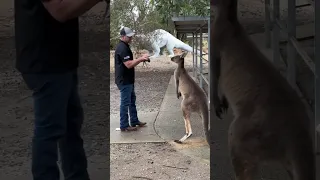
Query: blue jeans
pixel 58 120
pixel 128 103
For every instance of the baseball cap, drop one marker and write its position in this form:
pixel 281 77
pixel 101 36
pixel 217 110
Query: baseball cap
pixel 125 31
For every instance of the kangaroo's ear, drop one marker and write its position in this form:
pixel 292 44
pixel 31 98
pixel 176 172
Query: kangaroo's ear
pixel 184 54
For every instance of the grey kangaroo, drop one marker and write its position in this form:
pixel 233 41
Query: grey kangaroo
pixel 193 97
pixel 270 121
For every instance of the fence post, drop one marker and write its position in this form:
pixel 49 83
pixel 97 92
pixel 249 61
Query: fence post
pixel 201 65
pixel 267 24
pixel 276 33
pixel 291 51
pixel 193 55
pixel 209 67
pixel 317 70
pixel 196 54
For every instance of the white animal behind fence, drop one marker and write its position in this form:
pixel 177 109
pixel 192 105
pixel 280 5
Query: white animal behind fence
pixel 159 38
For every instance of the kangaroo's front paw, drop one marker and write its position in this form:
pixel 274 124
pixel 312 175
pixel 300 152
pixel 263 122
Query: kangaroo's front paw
pixel 218 107
pixel 225 104
pixel 218 110
pixel 178 95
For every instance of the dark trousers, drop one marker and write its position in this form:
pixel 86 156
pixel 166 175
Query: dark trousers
pixel 128 104
pixel 58 120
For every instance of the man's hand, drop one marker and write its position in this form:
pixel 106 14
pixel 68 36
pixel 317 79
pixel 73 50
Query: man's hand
pixel 135 62
pixel 144 57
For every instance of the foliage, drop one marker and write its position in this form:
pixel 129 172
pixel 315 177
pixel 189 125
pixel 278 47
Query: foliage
pixel 170 8
pixel 139 15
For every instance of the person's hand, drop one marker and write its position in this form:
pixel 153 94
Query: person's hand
pixel 144 57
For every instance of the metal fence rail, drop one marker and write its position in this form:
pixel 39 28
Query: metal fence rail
pixel 198 71
pixel 273 23
pixel 317 81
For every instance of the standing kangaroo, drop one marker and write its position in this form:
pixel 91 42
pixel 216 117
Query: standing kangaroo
pixel 193 97
pixel 270 121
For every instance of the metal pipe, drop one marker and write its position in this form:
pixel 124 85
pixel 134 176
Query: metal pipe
pixel 304 55
pixel 209 55
pixel 267 24
pixel 196 52
pixel 201 26
pixel 317 67
pixel 210 97
pixel 205 79
pixel 312 3
pixel 201 65
pixel 291 52
pixel 193 56
pixel 276 33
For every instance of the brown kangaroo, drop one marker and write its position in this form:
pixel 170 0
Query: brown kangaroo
pixel 193 97
pixel 270 121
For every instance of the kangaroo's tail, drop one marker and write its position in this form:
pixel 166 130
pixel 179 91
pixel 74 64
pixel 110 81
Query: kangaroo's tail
pixel 204 112
pixel 303 160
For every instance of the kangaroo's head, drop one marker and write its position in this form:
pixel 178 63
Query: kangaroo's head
pixel 179 58
pixel 226 9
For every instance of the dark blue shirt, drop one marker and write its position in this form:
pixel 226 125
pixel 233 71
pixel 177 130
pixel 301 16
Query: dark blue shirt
pixel 123 75
pixel 43 44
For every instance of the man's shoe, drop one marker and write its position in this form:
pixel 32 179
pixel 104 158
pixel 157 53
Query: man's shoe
pixel 128 129
pixel 140 124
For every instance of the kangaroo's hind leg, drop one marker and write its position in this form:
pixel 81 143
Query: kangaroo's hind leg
pixel 186 116
pixel 301 160
pixel 244 161
pixel 244 169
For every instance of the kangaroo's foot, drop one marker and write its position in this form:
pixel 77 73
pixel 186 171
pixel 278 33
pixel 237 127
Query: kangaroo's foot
pixel 186 136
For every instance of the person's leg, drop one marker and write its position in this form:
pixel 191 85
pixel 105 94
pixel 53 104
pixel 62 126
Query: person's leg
pixel 50 95
pixel 74 161
pixel 132 108
pixel 134 120
pixel 125 95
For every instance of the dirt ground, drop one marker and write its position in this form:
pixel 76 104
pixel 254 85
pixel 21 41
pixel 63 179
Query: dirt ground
pixel 156 161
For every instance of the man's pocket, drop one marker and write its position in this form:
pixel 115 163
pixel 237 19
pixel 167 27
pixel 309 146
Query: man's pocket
pixel 36 82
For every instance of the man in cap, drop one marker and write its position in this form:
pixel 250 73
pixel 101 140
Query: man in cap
pixel 124 78
pixel 47 47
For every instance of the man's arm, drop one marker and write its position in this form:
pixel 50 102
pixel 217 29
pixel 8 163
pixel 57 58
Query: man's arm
pixel 127 59
pixel 63 10
pixel 132 63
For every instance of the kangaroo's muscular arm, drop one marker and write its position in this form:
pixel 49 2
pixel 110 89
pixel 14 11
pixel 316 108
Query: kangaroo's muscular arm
pixel 215 63
pixel 176 78
pixel 215 66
